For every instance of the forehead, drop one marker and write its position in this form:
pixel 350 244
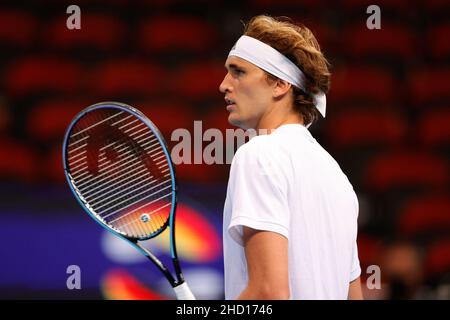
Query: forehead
pixel 239 62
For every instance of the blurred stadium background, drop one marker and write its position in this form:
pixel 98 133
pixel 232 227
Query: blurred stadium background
pixel 388 125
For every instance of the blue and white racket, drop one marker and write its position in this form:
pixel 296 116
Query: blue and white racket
pixel 119 168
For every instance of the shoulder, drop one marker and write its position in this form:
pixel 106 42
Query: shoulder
pixel 258 149
pixel 262 155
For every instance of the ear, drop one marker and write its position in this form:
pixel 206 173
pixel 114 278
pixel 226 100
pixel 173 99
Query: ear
pixel 281 88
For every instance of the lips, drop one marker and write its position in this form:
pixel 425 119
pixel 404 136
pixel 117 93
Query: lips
pixel 230 103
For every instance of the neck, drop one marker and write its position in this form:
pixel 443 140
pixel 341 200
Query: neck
pixel 278 115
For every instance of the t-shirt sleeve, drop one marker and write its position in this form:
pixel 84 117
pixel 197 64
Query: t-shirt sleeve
pixel 258 190
pixel 356 268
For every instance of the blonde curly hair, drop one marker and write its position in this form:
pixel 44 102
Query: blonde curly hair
pixel 299 45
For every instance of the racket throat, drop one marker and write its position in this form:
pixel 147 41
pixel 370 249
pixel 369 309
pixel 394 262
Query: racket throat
pixel 158 263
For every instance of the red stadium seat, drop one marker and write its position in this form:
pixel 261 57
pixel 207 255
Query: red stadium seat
pixel 428 214
pixel 5 117
pixel 198 81
pixel 81 3
pixel 200 173
pixel 434 128
pixel 282 4
pixel 126 77
pixel 325 34
pixel 48 74
pixel 49 120
pixel 402 5
pixel 438 41
pixel 435 6
pixel 52 165
pixel 407 169
pixel 369 84
pixel 438 258
pixel 391 41
pixel 169 3
pixel 366 127
pixel 169 117
pixel 101 32
pixel 218 118
pixel 17 27
pixel 18 161
pixel 429 86
pixel 170 33
pixel 369 250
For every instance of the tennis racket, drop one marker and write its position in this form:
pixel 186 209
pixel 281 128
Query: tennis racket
pixel 119 168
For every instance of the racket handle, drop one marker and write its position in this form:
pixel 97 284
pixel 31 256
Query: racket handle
pixel 183 292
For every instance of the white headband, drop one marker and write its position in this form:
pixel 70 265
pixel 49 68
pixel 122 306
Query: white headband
pixel 272 61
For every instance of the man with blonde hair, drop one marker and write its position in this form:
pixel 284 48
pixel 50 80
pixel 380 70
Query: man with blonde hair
pixel 290 215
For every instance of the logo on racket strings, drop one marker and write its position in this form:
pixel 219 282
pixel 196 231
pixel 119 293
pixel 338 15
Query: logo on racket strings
pixel 145 218
pixel 112 136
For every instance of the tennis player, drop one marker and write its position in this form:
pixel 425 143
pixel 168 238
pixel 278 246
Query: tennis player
pixel 290 215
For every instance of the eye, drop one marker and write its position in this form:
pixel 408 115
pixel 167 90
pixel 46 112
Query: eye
pixel 239 71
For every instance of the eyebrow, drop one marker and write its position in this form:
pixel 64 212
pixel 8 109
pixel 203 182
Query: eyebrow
pixel 233 66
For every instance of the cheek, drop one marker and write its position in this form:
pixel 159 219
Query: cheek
pixel 257 101
pixel 253 97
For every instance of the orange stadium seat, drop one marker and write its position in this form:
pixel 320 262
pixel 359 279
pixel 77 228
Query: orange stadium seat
pixel 18 161
pixel 438 41
pixel 391 41
pixel 49 119
pixel 170 33
pixel 17 27
pixel 434 127
pixel 49 74
pixel 427 214
pixel 406 168
pixel 126 77
pixel 198 81
pixel 366 128
pixel 362 83
pixel 429 86
pixel 101 32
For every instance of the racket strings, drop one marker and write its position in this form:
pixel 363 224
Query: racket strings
pixel 119 167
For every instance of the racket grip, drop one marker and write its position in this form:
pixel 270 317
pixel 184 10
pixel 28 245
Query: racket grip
pixel 183 292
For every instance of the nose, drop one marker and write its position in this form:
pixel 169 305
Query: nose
pixel 225 85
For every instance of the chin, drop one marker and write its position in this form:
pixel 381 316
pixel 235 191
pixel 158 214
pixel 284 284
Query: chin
pixel 232 120
pixel 235 122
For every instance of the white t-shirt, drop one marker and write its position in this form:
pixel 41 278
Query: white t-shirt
pixel 285 182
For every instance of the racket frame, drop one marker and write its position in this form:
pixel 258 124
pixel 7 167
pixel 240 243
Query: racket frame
pixel 171 223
